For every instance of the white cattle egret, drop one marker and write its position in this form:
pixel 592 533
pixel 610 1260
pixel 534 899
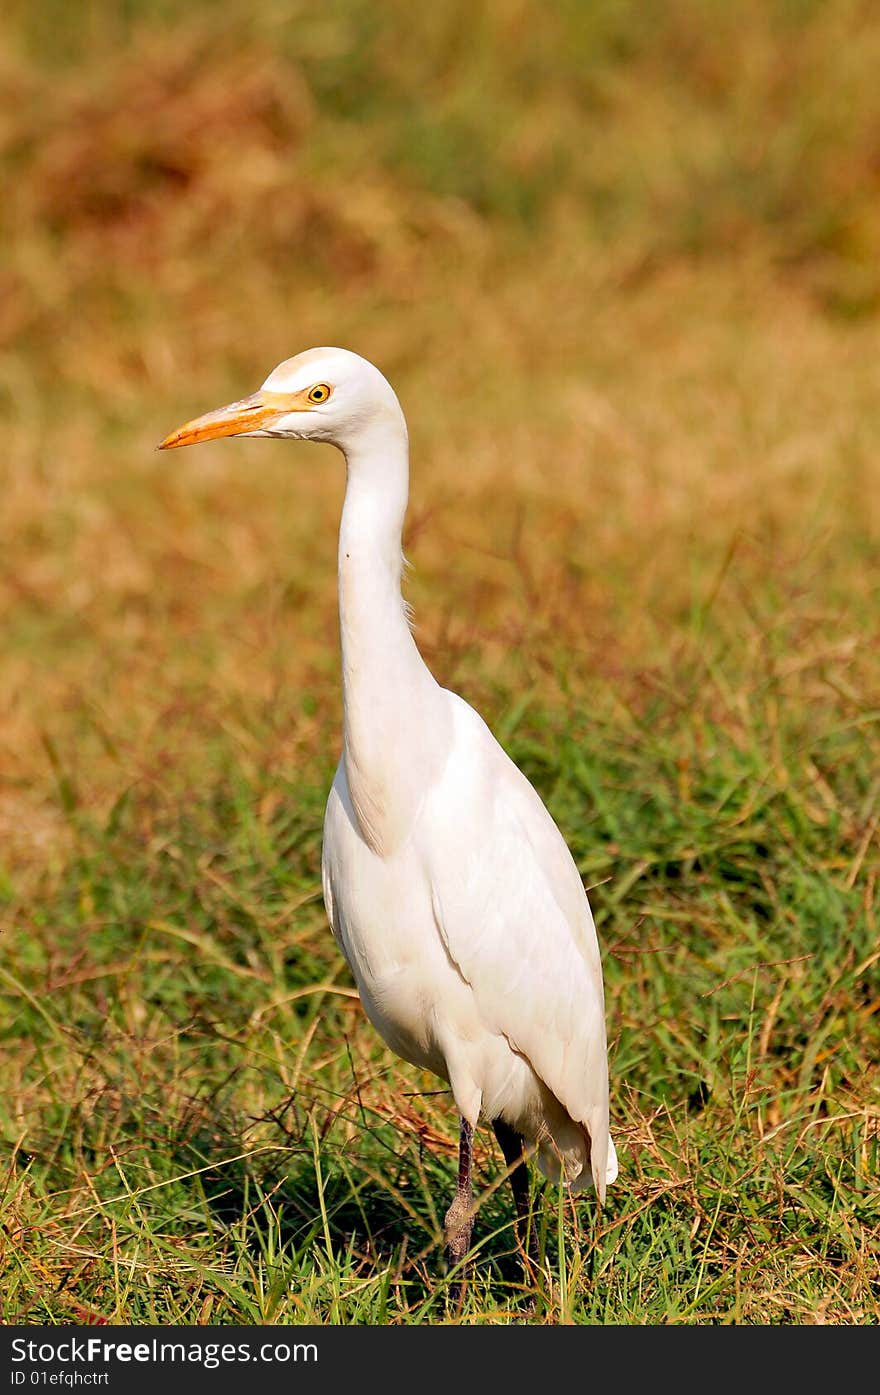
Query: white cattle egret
pixel 448 886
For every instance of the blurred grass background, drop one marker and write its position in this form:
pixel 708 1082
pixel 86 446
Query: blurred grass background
pixel 622 263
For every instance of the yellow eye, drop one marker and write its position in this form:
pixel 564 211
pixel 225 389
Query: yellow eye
pixel 319 393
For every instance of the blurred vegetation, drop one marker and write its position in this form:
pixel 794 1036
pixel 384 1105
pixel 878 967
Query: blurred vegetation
pixel 622 263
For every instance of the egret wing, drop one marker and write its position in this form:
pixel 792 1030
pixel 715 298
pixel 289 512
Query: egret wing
pixel 514 917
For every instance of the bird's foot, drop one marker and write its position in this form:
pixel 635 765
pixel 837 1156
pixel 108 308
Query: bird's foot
pixel 458 1227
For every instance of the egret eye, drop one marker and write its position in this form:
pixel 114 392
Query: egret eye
pixel 319 393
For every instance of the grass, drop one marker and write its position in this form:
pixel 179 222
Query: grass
pixel 621 265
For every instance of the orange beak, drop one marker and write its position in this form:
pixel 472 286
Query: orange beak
pixel 238 419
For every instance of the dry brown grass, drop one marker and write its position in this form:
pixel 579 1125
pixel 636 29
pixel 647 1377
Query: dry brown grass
pixel 645 497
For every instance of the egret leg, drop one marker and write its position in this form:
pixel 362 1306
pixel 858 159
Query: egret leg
pixel 513 1148
pixel 460 1216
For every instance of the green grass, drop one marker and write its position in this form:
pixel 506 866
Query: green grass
pixel 207 1132
pixel 621 264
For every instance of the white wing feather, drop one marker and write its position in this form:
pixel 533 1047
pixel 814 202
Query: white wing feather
pixel 511 909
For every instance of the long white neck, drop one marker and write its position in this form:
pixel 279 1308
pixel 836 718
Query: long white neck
pixel 393 720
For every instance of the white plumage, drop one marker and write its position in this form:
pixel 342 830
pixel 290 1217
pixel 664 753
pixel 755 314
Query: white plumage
pixel 449 888
pixel 473 948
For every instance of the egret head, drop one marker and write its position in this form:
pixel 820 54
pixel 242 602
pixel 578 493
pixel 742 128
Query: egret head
pixel 320 395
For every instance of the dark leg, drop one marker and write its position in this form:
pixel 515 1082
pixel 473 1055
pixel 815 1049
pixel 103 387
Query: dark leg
pixel 514 1155
pixel 460 1216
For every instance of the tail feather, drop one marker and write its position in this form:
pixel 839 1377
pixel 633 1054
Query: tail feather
pixel 567 1155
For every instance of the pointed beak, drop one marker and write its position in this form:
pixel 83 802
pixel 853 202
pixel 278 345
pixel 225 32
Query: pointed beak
pixel 238 419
